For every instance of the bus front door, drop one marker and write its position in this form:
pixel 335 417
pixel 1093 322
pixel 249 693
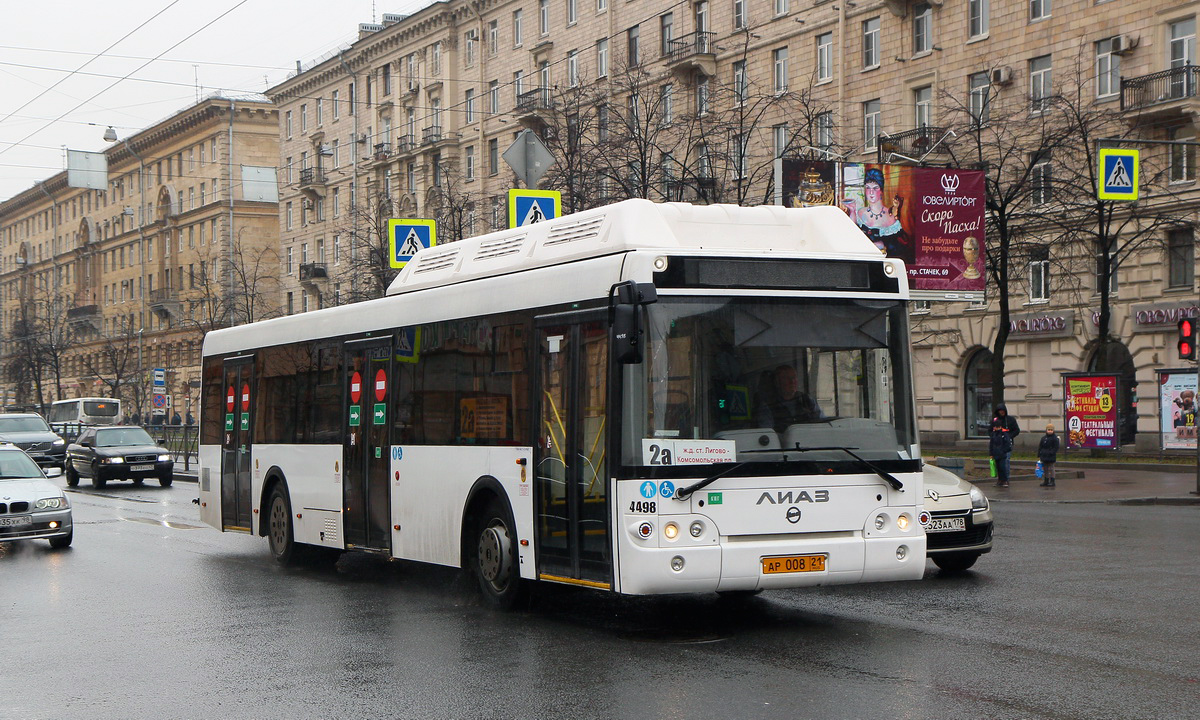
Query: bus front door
pixel 236 441
pixel 572 468
pixel 366 449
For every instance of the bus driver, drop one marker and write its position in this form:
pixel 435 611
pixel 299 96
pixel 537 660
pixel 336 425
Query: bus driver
pixel 789 405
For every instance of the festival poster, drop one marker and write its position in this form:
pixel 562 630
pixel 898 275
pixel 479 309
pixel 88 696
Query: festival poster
pixel 1177 393
pixel 1091 411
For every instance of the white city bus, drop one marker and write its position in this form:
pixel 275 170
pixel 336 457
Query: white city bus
pixel 584 401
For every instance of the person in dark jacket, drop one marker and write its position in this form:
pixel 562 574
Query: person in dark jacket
pixel 1048 454
pixel 1004 431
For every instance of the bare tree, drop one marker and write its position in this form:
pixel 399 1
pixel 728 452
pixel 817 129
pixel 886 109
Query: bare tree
pixel 234 288
pixel 455 208
pixel 569 129
pixel 365 227
pixel 113 360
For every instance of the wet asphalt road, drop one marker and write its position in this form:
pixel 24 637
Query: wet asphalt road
pixel 1082 611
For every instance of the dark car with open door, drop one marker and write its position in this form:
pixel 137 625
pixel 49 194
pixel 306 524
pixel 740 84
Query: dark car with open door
pixel 118 453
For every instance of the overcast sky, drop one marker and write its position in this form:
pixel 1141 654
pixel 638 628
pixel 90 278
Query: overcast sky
pixel 229 45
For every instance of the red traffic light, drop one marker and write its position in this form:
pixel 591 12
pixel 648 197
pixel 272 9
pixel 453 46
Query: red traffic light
pixel 1187 339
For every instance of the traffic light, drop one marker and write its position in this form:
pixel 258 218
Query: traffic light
pixel 1187 339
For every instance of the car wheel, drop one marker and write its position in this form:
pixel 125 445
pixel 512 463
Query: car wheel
pixel 165 480
pixel 955 563
pixel 494 560
pixel 62 541
pixel 279 527
pixel 72 477
pixel 98 480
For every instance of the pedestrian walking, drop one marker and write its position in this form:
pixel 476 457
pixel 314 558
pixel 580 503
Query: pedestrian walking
pixel 175 419
pixel 1047 455
pixel 1004 431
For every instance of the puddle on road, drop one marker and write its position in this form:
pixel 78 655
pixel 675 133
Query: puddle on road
pixel 164 523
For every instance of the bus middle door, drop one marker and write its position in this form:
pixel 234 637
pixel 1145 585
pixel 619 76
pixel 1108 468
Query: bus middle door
pixel 366 448
pixel 572 471
pixel 236 442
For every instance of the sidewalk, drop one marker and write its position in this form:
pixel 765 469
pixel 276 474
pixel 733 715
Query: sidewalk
pixel 1078 483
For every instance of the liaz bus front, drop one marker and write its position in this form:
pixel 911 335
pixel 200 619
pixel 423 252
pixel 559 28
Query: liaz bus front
pixel 768 433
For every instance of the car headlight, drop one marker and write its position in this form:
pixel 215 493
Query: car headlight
pixel 164 458
pixel 113 460
pixel 54 503
pixel 59 441
pixel 979 501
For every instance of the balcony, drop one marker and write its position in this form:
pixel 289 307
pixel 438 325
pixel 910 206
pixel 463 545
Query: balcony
pixel 382 152
pixel 405 144
pixel 312 274
pixel 312 182
pixel 1165 93
pixel 534 106
pixel 915 145
pixel 165 303
pixel 694 52
pixel 82 318
pixel 432 135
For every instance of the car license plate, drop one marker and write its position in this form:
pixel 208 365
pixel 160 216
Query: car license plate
pixel 946 525
pixel 16 520
pixel 140 468
pixel 793 563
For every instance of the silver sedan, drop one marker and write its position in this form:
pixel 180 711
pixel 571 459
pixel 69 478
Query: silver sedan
pixel 31 507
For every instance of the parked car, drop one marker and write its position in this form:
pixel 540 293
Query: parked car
pixel 30 432
pixel 117 453
pixel 31 507
pixel 957 520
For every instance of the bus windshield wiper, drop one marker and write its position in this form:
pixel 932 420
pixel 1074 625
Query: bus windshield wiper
pixel 887 476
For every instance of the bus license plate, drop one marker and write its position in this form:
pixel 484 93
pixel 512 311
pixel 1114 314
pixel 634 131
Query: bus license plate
pixel 141 468
pixel 946 525
pixel 16 520
pixel 793 563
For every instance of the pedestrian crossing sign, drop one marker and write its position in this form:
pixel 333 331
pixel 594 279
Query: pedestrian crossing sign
pixel 526 207
pixel 1118 174
pixel 406 237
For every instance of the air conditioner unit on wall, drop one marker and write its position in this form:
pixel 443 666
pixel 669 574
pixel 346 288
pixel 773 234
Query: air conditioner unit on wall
pixel 1002 75
pixel 1123 44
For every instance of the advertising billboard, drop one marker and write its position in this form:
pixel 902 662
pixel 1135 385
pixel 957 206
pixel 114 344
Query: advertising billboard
pixel 1090 410
pixel 931 218
pixel 1177 401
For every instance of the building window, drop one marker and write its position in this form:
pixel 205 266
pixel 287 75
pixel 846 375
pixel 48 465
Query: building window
pixel 739 14
pixel 544 17
pixel 469 47
pixel 923 106
pixel 436 163
pixel 333 105
pixel 666 32
pixel 668 104
pixel 979 94
pixel 572 12
pixel 922 28
pixel 602 58
pixel 1039 274
pixel 825 57
pixel 601 6
pixel 1039 83
pixel 779 133
pixel 870 43
pixel 781 7
pixel 1039 9
pixel 287 131
pixel 469 106
pixel 1181 258
pixel 780 63
pixel 633 41
pixel 870 124
pixel 470 162
pixel 740 90
pixel 702 96
pixel 1108 69
pixel 436 70
pixel 602 123
pixel 410 178
pixel 493 37
pixel 303 121
pixel 287 216
pixel 825 130
pixel 573 68
pixel 977 17
pixel 1112 266
pixel 1182 43
pixel 518 83
pixel 1181 164
pixel 493 156
pixel 1040 181
pixel 350 109
pixel 336 201
pixel 291 260
pixel 494 97
pixel 518 21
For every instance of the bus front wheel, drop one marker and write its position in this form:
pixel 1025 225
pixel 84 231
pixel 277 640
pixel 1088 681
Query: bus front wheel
pixel 279 527
pixel 495 558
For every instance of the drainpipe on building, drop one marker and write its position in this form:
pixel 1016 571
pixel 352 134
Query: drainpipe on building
pixel 229 189
pixel 53 263
pixel 353 147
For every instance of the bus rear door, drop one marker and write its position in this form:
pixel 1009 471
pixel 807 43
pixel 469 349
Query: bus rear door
pixel 237 439
pixel 366 448
pixel 572 474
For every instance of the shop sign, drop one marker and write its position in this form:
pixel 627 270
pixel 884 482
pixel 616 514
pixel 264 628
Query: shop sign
pixel 1158 317
pixel 1042 325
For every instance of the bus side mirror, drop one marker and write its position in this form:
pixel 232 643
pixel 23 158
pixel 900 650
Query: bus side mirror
pixel 625 317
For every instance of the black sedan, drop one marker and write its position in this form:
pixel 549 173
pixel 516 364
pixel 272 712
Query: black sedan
pixel 117 453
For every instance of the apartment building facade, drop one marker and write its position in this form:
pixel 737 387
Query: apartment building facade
pixel 99 287
pixel 696 99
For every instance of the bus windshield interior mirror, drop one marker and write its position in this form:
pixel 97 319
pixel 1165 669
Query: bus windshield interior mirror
pixel 625 301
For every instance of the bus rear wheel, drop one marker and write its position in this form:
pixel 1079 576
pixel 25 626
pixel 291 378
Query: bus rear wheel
pixel 279 527
pixel 495 558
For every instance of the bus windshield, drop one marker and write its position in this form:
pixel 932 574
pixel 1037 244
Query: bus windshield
pixel 770 380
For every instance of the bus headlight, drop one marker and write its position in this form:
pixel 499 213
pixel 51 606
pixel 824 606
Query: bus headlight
pixel 902 523
pixel 671 531
pixel 696 529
